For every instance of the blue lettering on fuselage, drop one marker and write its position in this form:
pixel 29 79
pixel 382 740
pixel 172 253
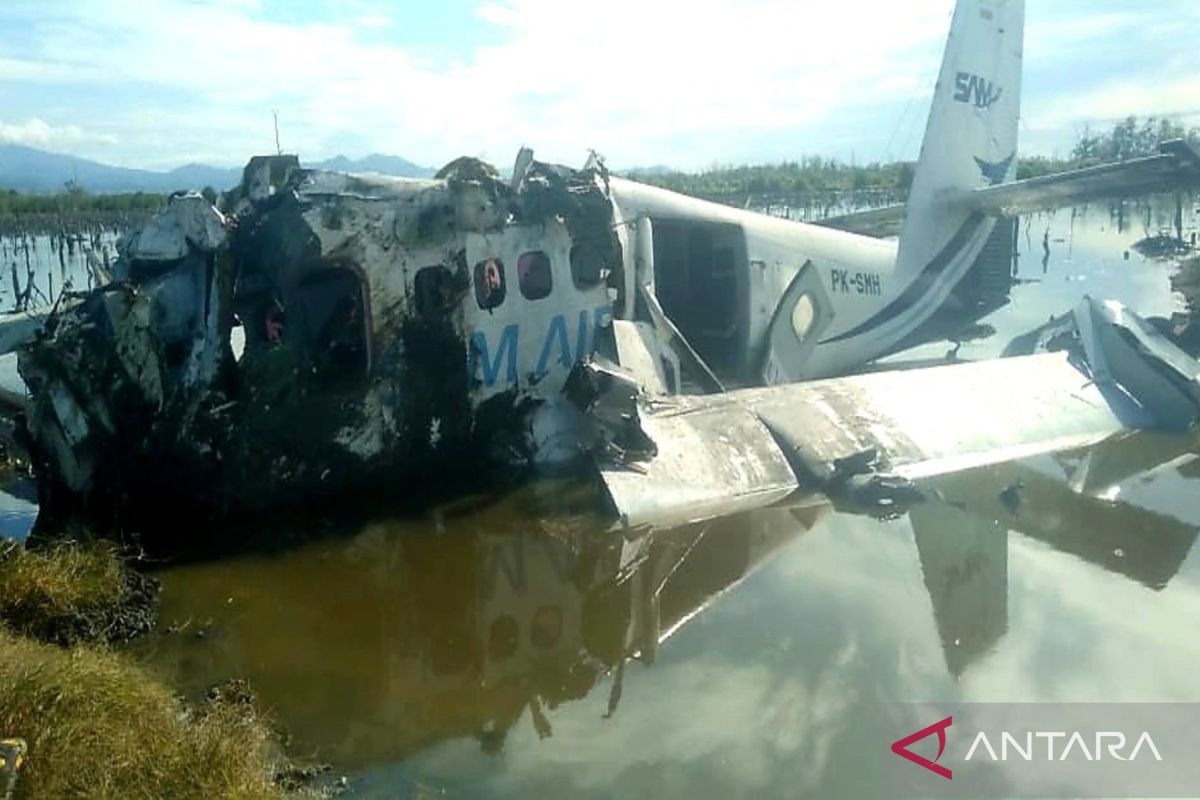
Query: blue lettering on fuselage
pixel 556 338
pixel 500 364
pixel 505 350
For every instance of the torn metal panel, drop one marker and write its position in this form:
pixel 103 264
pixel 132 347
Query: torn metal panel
pixel 1138 358
pixel 20 328
pixel 192 222
pixel 1124 354
pixel 638 351
pixel 712 460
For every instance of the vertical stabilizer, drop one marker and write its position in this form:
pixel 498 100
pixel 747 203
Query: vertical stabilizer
pixel 970 142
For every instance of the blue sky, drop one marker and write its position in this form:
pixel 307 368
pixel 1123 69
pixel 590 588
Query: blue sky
pixel 685 83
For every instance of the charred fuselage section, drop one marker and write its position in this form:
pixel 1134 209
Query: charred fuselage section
pixel 322 333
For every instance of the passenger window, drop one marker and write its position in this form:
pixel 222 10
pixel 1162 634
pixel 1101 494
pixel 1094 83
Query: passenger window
pixel 434 291
pixel 803 316
pixel 333 313
pixel 489 283
pixel 534 276
pixel 587 265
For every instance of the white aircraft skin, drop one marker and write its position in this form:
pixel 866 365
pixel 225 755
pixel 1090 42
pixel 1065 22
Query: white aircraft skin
pixel 866 295
pixel 863 295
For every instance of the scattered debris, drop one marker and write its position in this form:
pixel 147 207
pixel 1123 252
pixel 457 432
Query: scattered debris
pixel 1010 497
pixel 1163 247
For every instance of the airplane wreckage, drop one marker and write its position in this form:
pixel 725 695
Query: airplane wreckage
pixel 320 333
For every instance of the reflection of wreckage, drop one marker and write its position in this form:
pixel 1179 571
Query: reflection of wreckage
pixel 459 633
pixel 470 627
pixel 963 539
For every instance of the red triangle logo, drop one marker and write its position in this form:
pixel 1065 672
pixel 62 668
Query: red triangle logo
pixel 901 746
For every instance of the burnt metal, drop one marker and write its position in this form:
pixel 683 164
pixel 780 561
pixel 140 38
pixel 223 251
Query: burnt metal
pixel 352 376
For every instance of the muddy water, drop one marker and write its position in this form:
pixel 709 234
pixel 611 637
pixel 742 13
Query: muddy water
pixel 510 646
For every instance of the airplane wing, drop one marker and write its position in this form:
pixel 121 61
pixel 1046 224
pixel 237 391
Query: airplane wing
pixel 1175 168
pixel 862 439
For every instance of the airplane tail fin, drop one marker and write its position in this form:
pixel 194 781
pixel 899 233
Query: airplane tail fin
pixel 970 141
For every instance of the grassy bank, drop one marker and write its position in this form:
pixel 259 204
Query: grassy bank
pixel 72 593
pixel 96 723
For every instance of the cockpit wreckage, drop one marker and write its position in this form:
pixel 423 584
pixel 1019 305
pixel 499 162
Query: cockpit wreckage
pixel 318 333
pixel 360 305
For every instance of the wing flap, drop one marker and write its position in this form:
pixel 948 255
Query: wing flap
pixel 1175 168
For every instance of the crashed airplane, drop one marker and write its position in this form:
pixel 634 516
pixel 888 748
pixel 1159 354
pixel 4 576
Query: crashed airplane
pixel 318 333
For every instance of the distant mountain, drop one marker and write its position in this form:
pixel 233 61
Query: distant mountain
pixel 384 165
pixel 29 170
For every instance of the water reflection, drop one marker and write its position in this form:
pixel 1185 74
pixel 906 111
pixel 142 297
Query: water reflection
pixel 35 268
pixel 409 632
pixel 1072 502
pixel 499 626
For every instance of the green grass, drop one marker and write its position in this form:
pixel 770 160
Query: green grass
pixel 99 725
pixel 60 580
pixel 66 593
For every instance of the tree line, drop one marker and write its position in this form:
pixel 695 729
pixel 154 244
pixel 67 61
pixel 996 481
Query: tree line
pixel 812 179
pixel 816 178
pixel 74 199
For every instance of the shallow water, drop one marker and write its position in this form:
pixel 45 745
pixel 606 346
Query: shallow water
pixel 511 646
pixel 57 263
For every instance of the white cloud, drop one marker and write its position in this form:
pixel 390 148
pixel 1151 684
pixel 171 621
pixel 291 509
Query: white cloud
pixel 39 133
pixel 1177 97
pixel 639 81
pixel 686 83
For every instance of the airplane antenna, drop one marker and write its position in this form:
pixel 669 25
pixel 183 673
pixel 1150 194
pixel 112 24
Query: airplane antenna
pixel 275 114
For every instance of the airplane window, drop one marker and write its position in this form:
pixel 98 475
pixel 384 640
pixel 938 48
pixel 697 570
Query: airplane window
pixel 803 316
pixel 587 263
pixel 534 276
pixel 489 283
pixel 434 290
pixel 330 310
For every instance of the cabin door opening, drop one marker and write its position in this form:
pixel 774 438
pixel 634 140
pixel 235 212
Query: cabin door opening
pixel 699 279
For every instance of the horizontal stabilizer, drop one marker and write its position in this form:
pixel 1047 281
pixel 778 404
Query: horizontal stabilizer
pixel 1176 168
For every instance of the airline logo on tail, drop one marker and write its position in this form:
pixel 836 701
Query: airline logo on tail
pixel 995 172
pixel 974 89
